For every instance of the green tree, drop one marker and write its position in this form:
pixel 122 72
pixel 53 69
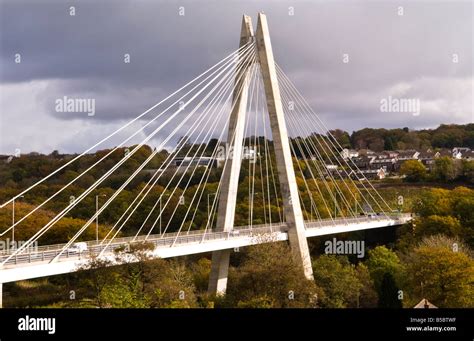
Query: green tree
pixel 367 295
pixel 388 143
pixel 413 170
pixel 434 224
pixel 435 202
pixel 170 285
pixel 270 275
pixel 18 175
pixel 444 169
pixel 200 271
pixel 448 136
pixel 442 271
pixel 382 260
pixel 463 209
pixel 122 294
pixel 257 302
pixel 97 275
pixel 62 231
pixel 389 293
pixel 339 281
pixel 468 171
pixel 342 137
pixel 144 282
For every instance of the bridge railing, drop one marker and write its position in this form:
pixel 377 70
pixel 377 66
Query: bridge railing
pixel 49 252
pixel 168 241
pixel 328 222
pixel 121 240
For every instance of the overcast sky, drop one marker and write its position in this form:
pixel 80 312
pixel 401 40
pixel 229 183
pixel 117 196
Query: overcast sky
pixel 82 56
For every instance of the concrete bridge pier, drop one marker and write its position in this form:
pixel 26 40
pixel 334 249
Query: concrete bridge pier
pixel 284 162
pixel 230 176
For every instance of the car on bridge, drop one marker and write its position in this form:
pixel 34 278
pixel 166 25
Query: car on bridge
pixel 77 247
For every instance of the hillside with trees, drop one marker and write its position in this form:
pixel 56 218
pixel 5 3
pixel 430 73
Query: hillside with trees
pixel 445 136
pixel 430 257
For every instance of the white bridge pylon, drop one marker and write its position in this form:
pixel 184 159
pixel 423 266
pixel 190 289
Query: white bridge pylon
pixel 286 175
pixel 241 95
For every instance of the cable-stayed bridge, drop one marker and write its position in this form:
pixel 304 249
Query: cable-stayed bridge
pixel 37 263
pixel 244 130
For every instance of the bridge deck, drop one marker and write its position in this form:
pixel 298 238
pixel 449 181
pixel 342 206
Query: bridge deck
pixel 39 262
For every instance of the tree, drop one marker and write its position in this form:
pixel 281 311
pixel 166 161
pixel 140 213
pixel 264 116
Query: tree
pixel 18 175
pixel 269 275
pixel 211 146
pixel 468 171
pixel 122 295
pixel 129 288
pixel 381 261
pixel 342 137
pixel 388 143
pixel 441 270
pixel 448 136
pixel 441 241
pixel 201 270
pixel 411 140
pixel 145 282
pixel 339 281
pixel 436 201
pixel 170 285
pixel 389 293
pixel 257 302
pixel 435 224
pixel 62 231
pixel 413 170
pixel 463 209
pixel 97 275
pixel 367 295
pixel 444 169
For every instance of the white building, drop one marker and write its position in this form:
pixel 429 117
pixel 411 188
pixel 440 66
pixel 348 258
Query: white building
pixel 349 153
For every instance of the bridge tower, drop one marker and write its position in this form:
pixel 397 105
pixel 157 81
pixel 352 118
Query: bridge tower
pixel 286 175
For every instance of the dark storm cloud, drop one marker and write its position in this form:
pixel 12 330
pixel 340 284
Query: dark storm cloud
pixel 82 56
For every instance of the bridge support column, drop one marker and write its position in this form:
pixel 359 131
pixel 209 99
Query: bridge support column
pixel 1 295
pixel 286 173
pixel 230 176
pixel 219 272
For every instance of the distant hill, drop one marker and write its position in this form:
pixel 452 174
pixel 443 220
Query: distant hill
pixel 445 136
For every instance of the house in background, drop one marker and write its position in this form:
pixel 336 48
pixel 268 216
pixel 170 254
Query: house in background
pixel 372 174
pixel 349 153
pixel 425 304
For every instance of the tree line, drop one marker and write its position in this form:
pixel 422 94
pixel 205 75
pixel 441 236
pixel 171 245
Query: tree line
pixel 444 136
